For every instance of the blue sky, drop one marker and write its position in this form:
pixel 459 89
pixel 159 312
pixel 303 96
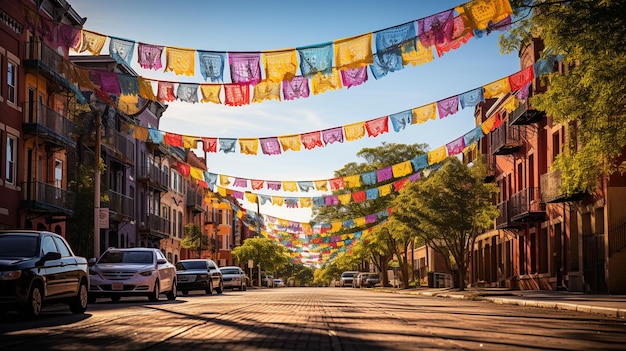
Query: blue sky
pixel 272 25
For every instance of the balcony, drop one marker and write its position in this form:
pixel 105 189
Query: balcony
pixel 551 189
pixel 193 200
pixel 119 146
pixel 154 177
pixel 503 221
pixel 155 226
pixel 47 199
pixel 524 115
pixel 526 206
pixel 122 207
pixel 44 122
pixel 44 59
pixel 506 140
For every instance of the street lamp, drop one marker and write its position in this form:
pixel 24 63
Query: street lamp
pixel 258 227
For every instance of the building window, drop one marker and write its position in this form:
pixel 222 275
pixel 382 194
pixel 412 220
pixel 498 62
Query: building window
pixel 180 224
pixel 11 82
pixel 177 182
pixel 11 158
pixel 58 173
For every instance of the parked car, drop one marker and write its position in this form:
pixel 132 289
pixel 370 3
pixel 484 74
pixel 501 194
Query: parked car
pixel 357 280
pixel 370 280
pixel 234 278
pixel 199 274
pixel 346 278
pixel 279 283
pixel 132 272
pixel 268 281
pixel 38 268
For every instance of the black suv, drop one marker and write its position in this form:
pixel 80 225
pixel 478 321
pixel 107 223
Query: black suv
pixel 39 268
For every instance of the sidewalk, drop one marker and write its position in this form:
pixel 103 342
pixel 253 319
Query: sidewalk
pixel 607 305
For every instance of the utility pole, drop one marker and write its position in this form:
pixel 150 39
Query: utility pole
pixel 99 108
pixel 96 189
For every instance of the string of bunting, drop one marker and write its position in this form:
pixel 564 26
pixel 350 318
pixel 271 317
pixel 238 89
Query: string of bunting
pixel 321 67
pixel 518 81
pixel 276 145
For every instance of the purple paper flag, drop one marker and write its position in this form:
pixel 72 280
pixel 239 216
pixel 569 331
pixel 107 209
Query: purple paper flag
pixel 296 88
pixel 384 174
pixel 456 147
pixel 333 135
pixel 270 146
pixel 448 106
pixel 245 68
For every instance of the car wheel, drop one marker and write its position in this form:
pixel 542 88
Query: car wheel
pixel 220 288
pixel 32 308
pixel 79 303
pixel 171 295
pixel 116 298
pixel 154 297
pixel 209 290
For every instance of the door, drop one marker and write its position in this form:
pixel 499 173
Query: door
pixel 51 270
pixel 215 273
pixel 70 273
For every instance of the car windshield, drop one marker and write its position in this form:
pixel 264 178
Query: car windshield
pixel 126 257
pixel 18 246
pixel 181 266
pixel 229 271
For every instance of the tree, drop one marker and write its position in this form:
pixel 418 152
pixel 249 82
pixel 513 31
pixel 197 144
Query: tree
pixel 398 239
pixel 296 274
pixel 591 96
pixel 270 255
pixel 448 210
pixel 380 157
pixel 194 239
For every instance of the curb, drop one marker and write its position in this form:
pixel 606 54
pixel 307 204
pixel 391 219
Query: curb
pixel 605 311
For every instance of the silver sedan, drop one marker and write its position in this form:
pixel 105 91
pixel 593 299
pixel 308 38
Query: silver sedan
pixel 234 278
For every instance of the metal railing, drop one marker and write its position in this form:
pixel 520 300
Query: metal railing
pixel 155 225
pixel 39 195
pixel 526 202
pixel 120 145
pixel 502 221
pixel 194 198
pixel 506 139
pixel 153 174
pixel 41 119
pixel 120 204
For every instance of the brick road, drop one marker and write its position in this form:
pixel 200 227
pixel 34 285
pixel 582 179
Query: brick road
pixel 311 319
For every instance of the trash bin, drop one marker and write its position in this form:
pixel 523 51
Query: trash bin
pixel 431 279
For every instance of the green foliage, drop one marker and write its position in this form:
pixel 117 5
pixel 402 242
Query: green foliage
pixel 448 210
pixel 591 96
pixel 81 225
pixel 295 273
pixel 194 239
pixel 269 254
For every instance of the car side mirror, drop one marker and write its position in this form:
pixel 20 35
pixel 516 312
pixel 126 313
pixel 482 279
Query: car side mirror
pixel 91 261
pixel 161 261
